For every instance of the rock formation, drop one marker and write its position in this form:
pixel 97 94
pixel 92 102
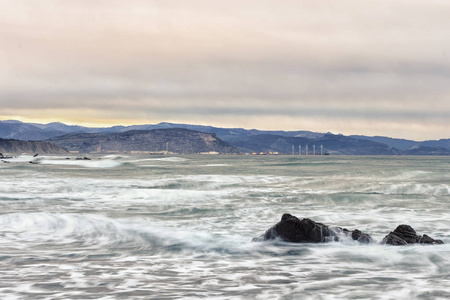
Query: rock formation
pixel 405 234
pixel 292 229
pixel 32 147
pixel 295 230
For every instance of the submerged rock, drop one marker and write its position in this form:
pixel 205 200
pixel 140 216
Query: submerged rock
pixel 295 230
pixel 405 234
pixel 82 158
pixel 4 157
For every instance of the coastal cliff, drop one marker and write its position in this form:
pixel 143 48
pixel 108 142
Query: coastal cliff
pixel 11 146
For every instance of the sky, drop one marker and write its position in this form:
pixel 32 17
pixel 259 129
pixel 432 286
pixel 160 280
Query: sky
pixel 351 67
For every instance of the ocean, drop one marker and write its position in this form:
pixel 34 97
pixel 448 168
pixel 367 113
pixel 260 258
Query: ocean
pixel 181 227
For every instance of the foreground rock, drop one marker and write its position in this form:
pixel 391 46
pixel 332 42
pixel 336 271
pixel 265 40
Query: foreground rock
pixel 405 234
pixel 295 230
pixel 292 229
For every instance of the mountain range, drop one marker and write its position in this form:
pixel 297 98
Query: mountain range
pixel 226 139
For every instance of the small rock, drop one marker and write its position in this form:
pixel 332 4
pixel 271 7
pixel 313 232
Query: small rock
pixel 405 234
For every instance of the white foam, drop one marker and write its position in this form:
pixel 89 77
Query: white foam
pixel 98 163
pixel 169 159
pixel 185 230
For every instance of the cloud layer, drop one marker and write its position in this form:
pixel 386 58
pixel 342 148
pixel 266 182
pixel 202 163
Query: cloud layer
pixel 377 67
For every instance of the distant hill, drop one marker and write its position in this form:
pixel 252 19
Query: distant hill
pixel 327 144
pixel 400 144
pixel 403 144
pixel 10 146
pixel 25 131
pixel 176 140
pixel 33 131
pixel 425 150
pixel 251 140
pixel 443 143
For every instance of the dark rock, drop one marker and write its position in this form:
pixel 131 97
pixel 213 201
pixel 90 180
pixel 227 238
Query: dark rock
pixel 4 157
pixel 364 238
pixel 405 234
pixel 394 239
pixel 293 229
pixel 425 239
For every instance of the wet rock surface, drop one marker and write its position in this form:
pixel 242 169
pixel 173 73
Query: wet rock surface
pixel 405 234
pixel 295 230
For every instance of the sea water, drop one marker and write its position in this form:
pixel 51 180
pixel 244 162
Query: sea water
pixel 180 227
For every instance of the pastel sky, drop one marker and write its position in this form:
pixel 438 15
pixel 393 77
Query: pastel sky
pixel 352 67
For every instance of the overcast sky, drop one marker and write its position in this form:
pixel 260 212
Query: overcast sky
pixel 353 67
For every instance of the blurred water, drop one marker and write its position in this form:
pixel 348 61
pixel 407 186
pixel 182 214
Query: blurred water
pixel 144 227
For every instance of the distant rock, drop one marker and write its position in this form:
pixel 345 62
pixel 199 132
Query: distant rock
pixel 295 230
pixel 405 234
pixel 4 157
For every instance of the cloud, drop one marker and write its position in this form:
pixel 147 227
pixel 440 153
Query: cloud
pixel 385 61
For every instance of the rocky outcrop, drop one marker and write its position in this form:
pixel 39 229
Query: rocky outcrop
pixel 405 234
pixel 295 230
pixel 31 147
